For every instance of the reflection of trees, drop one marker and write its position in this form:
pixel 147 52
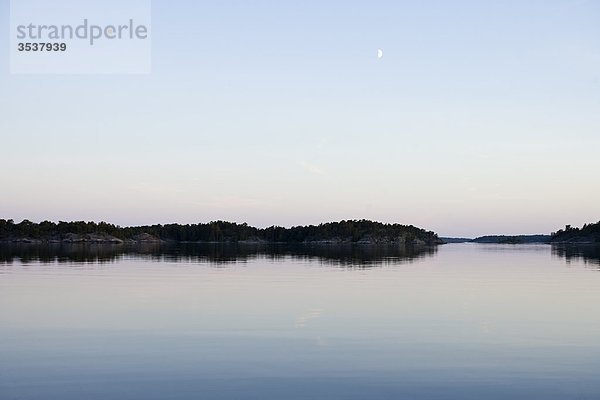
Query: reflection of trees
pixel 47 253
pixel 215 253
pixel 589 253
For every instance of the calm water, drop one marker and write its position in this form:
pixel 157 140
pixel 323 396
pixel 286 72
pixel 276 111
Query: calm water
pixel 464 321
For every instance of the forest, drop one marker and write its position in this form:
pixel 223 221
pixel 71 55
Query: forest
pixel 350 231
pixel 588 233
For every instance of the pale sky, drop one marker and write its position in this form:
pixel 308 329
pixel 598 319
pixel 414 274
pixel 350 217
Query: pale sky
pixel 483 117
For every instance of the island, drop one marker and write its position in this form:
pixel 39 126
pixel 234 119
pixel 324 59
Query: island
pixel 342 232
pixel 501 239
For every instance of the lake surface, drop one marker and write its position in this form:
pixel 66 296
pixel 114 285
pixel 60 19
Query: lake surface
pixel 463 321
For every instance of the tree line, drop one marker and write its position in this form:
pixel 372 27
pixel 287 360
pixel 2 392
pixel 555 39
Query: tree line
pixel 223 231
pixel 587 233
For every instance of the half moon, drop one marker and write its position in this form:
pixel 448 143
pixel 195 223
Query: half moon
pixel 379 53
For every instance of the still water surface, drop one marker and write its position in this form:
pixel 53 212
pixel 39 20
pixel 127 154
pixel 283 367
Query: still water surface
pixel 464 321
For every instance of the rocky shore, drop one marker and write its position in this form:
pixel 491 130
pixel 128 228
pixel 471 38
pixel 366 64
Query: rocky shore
pixel 91 238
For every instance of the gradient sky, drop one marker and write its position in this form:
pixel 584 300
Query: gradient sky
pixel 482 117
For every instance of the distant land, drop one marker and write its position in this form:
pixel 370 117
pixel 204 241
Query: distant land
pixel 501 239
pixel 351 231
pixel 518 239
pixel 456 240
pixel 343 232
pixel 589 233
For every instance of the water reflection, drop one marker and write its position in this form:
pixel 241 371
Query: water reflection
pixel 489 322
pixel 588 253
pixel 216 253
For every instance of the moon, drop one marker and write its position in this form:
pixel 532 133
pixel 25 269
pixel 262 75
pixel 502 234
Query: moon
pixel 379 53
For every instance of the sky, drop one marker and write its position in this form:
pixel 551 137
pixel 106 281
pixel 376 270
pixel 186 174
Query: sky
pixel 482 117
